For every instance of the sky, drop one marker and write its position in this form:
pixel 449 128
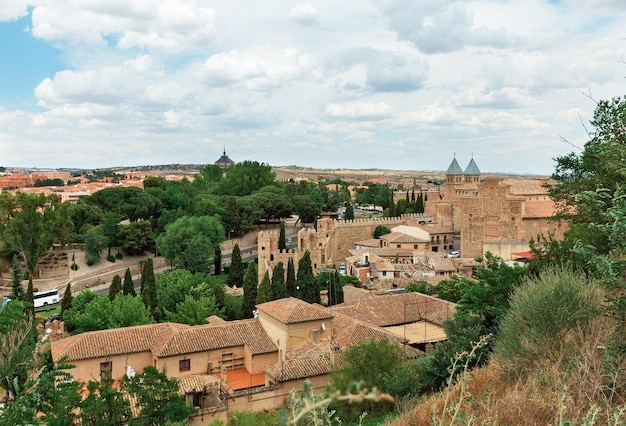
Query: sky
pixel 359 84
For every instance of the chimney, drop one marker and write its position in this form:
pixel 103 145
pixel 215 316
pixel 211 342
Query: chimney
pixel 335 350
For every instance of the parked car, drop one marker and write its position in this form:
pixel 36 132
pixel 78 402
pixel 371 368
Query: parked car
pixel 454 254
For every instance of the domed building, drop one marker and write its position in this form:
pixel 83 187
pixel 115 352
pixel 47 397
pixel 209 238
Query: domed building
pixel 224 162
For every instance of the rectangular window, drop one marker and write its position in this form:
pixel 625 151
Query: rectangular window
pixel 106 368
pixel 184 365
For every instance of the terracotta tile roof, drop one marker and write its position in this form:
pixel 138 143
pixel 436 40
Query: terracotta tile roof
pixel 116 341
pixel 167 339
pixel 387 310
pixel 310 361
pixel 399 237
pixel 198 383
pixel 214 336
pixel 292 310
pixel 350 331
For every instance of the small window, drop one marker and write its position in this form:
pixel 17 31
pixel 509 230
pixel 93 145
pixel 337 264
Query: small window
pixel 398 246
pixel 184 365
pixel 106 368
pixel 271 257
pixel 415 246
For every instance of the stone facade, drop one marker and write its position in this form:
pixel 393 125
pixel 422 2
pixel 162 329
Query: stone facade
pixel 504 215
pixel 330 244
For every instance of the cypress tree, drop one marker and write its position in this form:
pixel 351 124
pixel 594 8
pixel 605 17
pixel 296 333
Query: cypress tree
pixel 217 263
pixel 30 296
pixel 115 288
pixel 279 290
pixel 309 288
pixel 335 292
pixel 282 243
pixel 66 302
pixel 349 211
pixel 148 292
pixel 413 194
pixel 249 291
pixel 129 287
pixel 17 292
pixel 290 283
pixel 264 292
pixel 236 273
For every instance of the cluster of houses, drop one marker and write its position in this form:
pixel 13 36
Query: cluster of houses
pixel 251 365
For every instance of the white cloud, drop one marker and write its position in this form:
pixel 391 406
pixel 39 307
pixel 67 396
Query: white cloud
pixel 304 13
pixel 262 68
pixel 170 25
pixel 408 82
pixel 358 111
pixel 13 9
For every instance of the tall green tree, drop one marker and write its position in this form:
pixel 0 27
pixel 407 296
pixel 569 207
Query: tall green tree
pixel 190 242
pixel 236 272
pixel 349 211
pixel 290 282
pixel 217 261
pixel 335 289
pixel 247 177
pixel 249 291
pixel 148 290
pixel 128 288
pixel 100 313
pixel 157 398
pixel 104 405
pixel 282 241
pixel 279 289
pixel 66 301
pixel 264 291
pixel 29 224
pixel 116 287
pixel 110 228
pixel 17 292
pixel 309 288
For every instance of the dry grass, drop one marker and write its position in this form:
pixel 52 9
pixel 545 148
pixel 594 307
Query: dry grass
pixel 577 388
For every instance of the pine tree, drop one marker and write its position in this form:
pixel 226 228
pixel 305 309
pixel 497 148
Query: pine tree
pixel 279 290
pixel 129 287
pixel 217 265
pixel 236 273
pixel 115 288
pixel 349 211
pixel 282 243
pixel 264 292
pixel 17 292
pixel 249 291
pixel 309 288
pixel 290 283
pixel 148 292
pixel 66 302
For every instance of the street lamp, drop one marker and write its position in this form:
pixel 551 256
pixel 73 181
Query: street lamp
pixel 229 232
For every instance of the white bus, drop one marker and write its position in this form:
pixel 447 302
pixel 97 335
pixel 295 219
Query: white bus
pixel 44 298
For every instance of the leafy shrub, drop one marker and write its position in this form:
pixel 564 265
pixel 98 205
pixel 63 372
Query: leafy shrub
pixel 74 267
pixel 119 255
pixel 111 258
pixel 544 313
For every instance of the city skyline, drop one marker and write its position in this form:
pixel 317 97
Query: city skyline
pixel 397 84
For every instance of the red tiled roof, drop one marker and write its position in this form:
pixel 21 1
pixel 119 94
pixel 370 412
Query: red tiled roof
pixel 397 309
pixel 214 336
pixel 116 341
pixel 167 339
pixel 292 310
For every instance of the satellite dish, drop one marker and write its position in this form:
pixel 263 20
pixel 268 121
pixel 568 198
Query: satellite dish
pixel 323 326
